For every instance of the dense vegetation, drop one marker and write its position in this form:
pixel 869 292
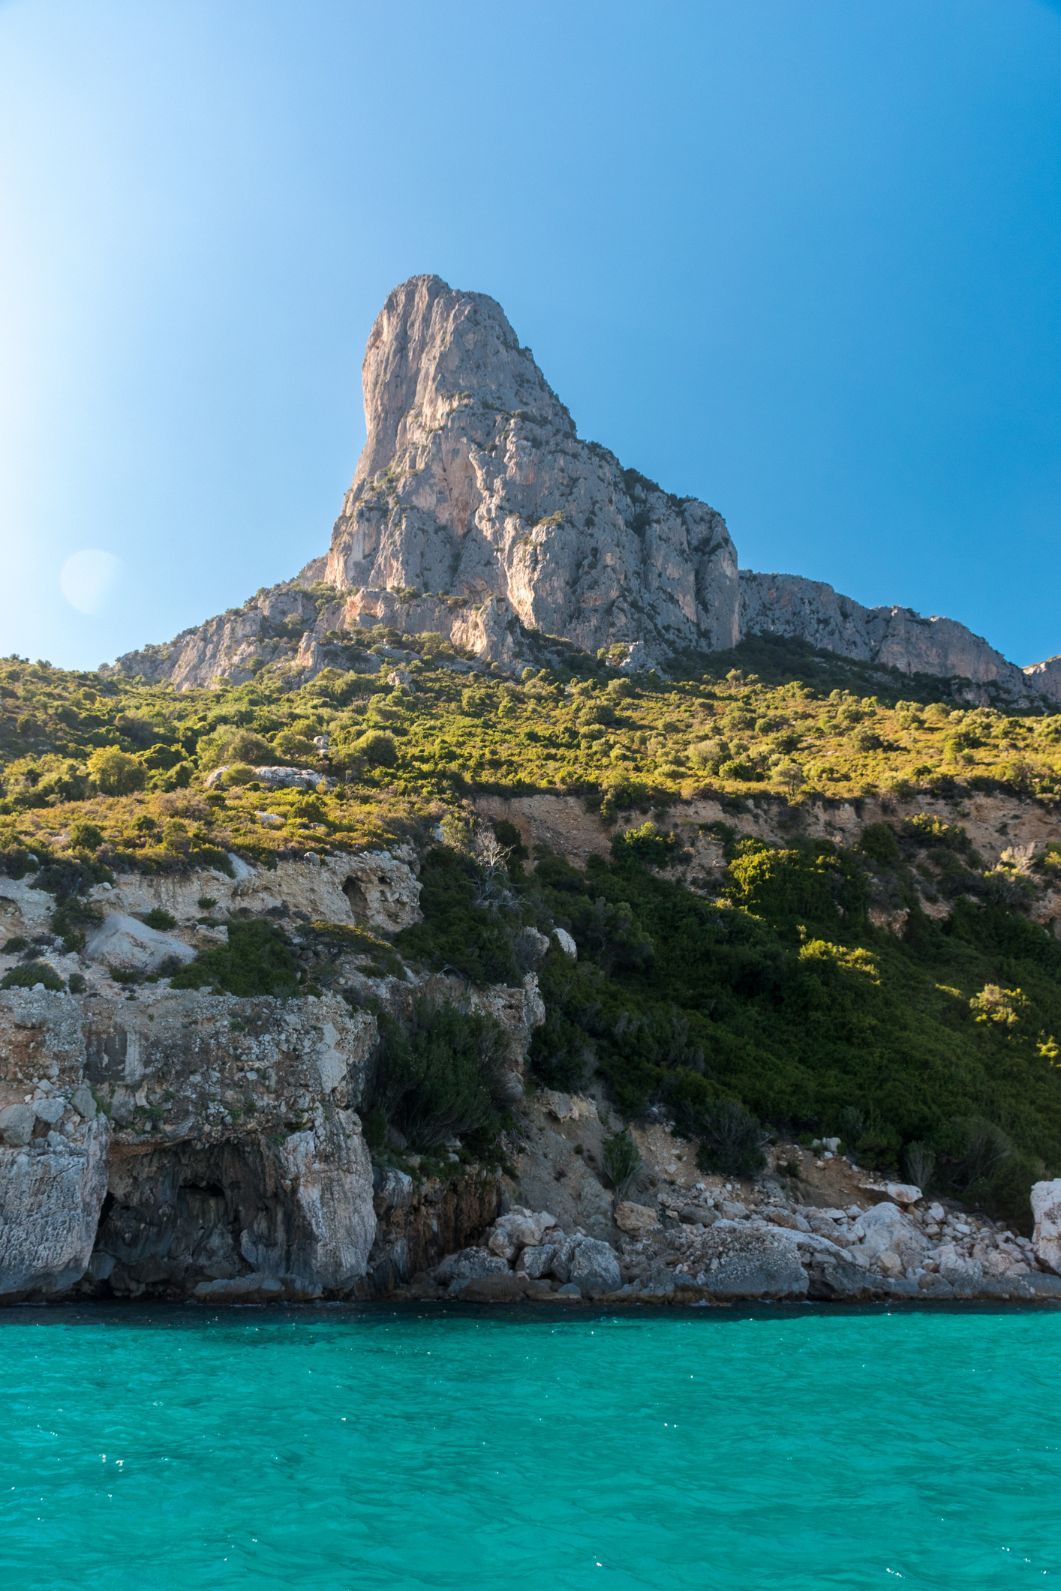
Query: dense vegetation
pixel 780 1002
pixel 118 769
pixel 767 997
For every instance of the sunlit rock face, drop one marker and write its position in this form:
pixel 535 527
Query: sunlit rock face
pixel 474 485
pixel 808 610
pixel 477 513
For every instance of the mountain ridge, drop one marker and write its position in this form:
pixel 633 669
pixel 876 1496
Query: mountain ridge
pixel 477 512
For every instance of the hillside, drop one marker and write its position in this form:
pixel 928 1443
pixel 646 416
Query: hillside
pixel 526 901
pixel 833 906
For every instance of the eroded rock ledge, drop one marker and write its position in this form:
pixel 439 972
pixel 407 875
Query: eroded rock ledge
pixel 181 1144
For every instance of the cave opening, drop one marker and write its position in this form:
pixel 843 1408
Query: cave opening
pixel 180 1216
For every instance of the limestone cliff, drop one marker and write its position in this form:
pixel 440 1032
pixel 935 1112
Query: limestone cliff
pixel 810 611
pixel 476 512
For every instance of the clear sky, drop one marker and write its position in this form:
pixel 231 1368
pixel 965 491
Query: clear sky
pixel 800 258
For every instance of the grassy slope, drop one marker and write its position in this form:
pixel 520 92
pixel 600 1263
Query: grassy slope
pixel 779 994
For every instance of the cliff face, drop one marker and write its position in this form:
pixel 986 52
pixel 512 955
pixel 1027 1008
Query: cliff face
pixel 474 485
pixel 192 1144
pixel 477 512
pixel 808 610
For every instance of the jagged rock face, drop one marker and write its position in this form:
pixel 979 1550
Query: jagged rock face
pixel 186 1144
pixel 378 889
pixel 235 645
pixel 473 485
pixel 808 610
pixel 1045 677
pixel 477 513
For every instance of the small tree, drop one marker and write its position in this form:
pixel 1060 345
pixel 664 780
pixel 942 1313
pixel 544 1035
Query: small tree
pixel 620 1162
pixel 115 772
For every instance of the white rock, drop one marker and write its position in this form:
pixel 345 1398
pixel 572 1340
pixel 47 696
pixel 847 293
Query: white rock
pixel 126 943
pixel 884 1227
pixel 519 1228
pixel 16 1124
pixel 903 1193
pixel 49 1110
pixel 954 1266
pixel 565 941
pixel 1046 1208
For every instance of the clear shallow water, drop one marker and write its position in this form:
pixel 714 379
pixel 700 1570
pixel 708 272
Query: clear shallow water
pixel 332 1450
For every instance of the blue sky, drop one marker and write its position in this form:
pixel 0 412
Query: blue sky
pixel 798 259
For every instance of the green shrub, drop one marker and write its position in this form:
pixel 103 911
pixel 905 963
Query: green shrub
pixel 158 917
pixel 456 931
pixel 880 844
pixel 85 836
pixel 256 960
pixel 29 974
pixel 647 843
pixel 227 745
pixel 731 1140
pixel 376 748
pixel 115 772
pixel 620 1162
pixel 72 919
pixel 438 1076
pixel 811 882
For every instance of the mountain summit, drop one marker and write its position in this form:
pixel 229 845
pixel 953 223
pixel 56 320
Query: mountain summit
pixel 478 513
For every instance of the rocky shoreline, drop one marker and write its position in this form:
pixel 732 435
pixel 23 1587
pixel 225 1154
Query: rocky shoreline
pixel 160 1143
pixel 767 1241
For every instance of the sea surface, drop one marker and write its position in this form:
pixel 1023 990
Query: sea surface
pixel 353 1449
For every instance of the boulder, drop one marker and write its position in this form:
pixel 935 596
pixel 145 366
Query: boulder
pixel 468 1264
pixel 126 944
pixel 565 942
pixel 519 1228
pixel 885 1229
pixel 16 1123
pixel 635 1219
pixel 537 1260
pixel 902 1193
pixel 588 1263
pixel 747 1259
pixel 1046 1208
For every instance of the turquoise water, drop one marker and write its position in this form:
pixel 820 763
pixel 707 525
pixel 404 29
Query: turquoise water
pixel 344 1450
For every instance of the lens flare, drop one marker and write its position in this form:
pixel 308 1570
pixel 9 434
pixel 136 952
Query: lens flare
pixel 88 577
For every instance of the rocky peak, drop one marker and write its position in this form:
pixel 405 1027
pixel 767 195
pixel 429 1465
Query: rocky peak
pixel 474 488
pixel 478 513
pixel 432 349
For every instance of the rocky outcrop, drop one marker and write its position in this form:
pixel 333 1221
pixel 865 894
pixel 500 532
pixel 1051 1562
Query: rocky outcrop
pixel 473 484
pixel 476 512
pixel 376 889
pixel 124 943
pixel 1045 678
pixel 185 1144
pixel 1046 1210
pixel 899 638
